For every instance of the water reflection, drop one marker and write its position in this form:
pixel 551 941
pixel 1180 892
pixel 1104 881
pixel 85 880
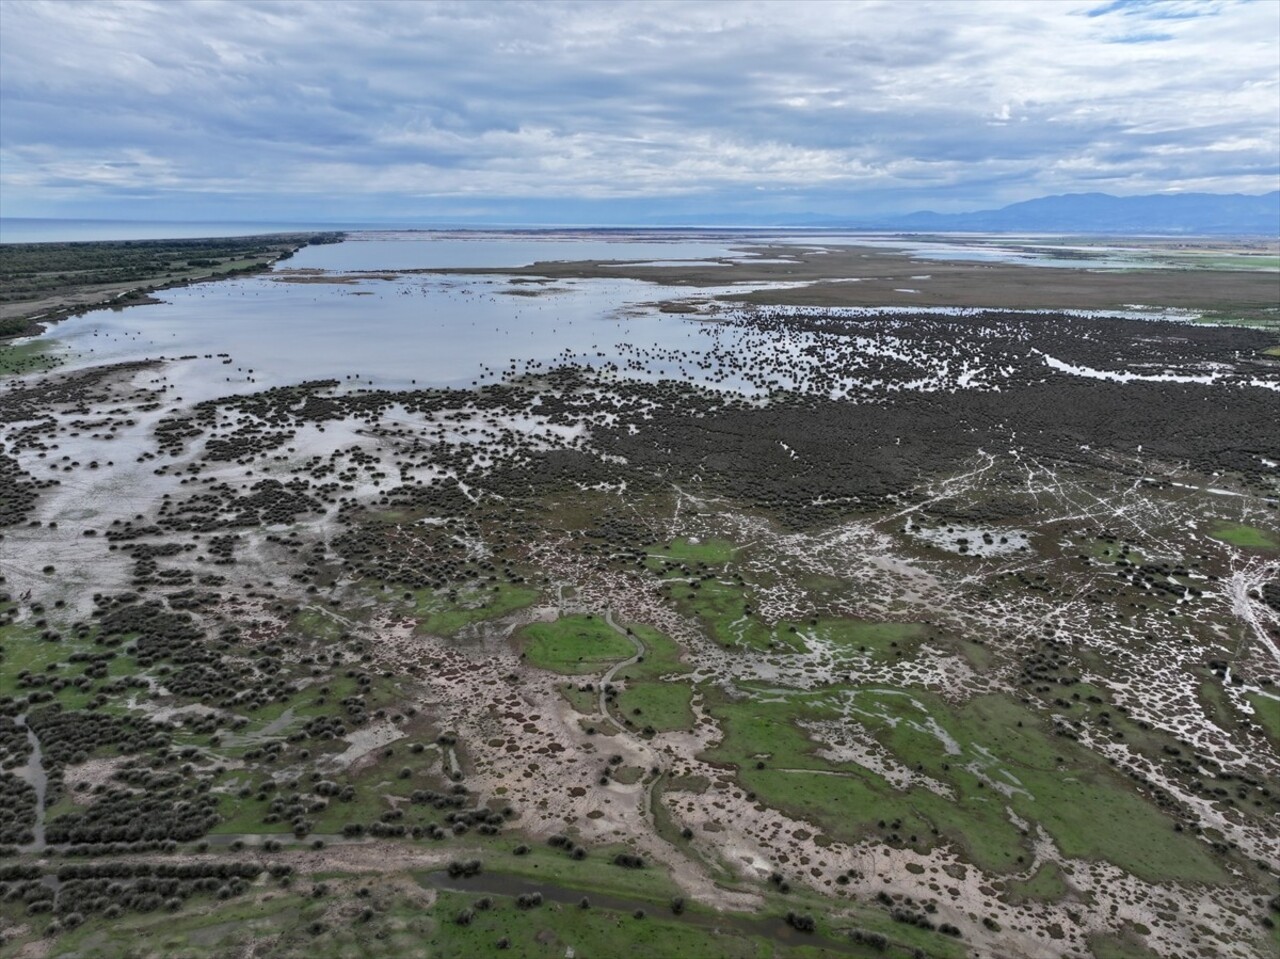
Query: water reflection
pixel 424 331
pixel 415 330
pixel 407 251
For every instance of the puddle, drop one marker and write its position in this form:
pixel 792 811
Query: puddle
pixel 971 540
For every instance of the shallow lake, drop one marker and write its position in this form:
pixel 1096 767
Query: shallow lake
pixel 416 250
pixel 421 329
pixel 414 330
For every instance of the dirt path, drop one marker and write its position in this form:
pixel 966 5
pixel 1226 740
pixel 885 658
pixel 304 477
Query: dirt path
pixel 33 773
pixel 607 679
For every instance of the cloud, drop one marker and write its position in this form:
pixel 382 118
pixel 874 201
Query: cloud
pixel 403 106
pixel 1159 9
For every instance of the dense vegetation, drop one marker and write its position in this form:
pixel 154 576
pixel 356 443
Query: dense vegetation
pixel 58 277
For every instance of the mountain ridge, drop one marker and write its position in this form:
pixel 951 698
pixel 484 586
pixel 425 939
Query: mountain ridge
pixel 1159 213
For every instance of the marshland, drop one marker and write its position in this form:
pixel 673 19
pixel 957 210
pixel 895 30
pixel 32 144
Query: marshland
pixel 644 593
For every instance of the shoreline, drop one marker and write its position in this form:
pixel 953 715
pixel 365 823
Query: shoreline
pixel 33 316
pixel 846 275
pixel 854 276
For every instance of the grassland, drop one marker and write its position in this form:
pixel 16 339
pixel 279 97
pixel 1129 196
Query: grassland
pixel 1266 710
pixel 574 645
pixel 395 919
pixel 1047 884
pixel 1245 291
pixel 1239 534
pixel 988 754
pixel 711 552
pixel 445 613
pixel 654 694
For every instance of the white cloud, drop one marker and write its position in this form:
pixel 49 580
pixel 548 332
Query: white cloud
pixel 994 100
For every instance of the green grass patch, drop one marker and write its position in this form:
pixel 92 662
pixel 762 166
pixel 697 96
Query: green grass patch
pixel 709 552
pixel 1069 790
pixel 574 645
pixel 1127 945
pixel 441 614
pixel 1273 351
pixel 1238 534
pixel 594 874
pixel 615 893
pixel 661 654
pixel 1109 552
pixel 586 702
pixel 662 705
pixel 723 610
pixel 861 638
pixel 1249 316
pixel 320 699
pixel 990 754
pixel 727 610
pixel 1217 707
pixel 553 929
pixel 35 356
pixel 242 815
pixel 1222 261
pixel 317 624
pixel 1046 884
pixel 232 265
pixel 22 648
pixel 1266 713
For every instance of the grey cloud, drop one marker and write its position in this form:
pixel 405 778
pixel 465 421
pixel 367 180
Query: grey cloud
pixel 707 100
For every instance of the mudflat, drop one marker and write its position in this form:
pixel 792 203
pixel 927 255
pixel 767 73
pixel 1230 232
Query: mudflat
pixel 868 276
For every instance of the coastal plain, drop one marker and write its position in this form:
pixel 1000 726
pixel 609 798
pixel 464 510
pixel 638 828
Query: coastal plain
pixel 782 597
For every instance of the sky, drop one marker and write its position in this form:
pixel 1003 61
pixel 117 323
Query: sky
pixel 625 112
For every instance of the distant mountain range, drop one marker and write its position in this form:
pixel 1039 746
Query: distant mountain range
pixel 1163 213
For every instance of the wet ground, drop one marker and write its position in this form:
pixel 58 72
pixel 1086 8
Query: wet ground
pixel 271 547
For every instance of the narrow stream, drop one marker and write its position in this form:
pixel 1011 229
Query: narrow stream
pixel 33 773
pixel 608 677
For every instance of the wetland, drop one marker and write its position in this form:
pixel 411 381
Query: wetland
pixel 772 595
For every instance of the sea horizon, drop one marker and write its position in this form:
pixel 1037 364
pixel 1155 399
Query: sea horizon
pixel 90 229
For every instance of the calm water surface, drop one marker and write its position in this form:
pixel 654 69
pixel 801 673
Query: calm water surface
pixel 35 230
pixel 407 251
pixel 418 330
pixel 428 330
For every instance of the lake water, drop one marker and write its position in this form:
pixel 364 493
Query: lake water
pixel 411 250
pixel 436 331
pixel 418 330
pixel 415 330
pixel 33 230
